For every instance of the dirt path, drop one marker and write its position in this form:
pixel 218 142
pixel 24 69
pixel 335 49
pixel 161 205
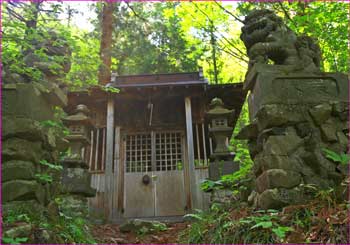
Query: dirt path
pixel 110 234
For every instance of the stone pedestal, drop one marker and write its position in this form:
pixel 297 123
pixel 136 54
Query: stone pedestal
pixel 294 116
pixel 218 169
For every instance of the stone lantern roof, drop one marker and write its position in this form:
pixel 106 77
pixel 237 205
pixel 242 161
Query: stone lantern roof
pixel 79 118
pixel 218 110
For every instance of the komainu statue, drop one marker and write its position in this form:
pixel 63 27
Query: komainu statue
pixel 267 38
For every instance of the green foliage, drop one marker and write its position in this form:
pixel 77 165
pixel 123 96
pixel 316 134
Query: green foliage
pixel 85 60
pixel 335 157
pixel 47 175
pixel 50 165
pixel 17 240
pixel 44 178
pixel 74 229
pixel 110 89
pixel 15 217
pixel 269 220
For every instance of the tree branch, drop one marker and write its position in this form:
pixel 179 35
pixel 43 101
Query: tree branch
pixel 15 14
pixel 228 12
pixel 286 14
pixel 136 14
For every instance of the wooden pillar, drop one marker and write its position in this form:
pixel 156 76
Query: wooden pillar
pixel 190 150
pixel 109 159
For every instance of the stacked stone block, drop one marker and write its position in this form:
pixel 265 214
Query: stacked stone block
pixel 294 117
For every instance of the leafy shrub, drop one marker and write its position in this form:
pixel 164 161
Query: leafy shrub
pixel 335 157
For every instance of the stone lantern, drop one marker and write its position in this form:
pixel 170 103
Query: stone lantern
pixel 79 126
pixel 220 130
pixel 76 179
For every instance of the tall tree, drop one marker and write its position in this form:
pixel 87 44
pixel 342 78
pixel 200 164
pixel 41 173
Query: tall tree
pixel 104 75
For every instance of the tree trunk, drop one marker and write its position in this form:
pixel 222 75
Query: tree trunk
pixel 213 45
pixel 104 75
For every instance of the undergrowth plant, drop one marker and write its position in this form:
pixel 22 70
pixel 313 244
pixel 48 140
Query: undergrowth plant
pixel 337 157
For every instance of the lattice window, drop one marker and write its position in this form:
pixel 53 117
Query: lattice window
pixel 168 151
pixel 138 153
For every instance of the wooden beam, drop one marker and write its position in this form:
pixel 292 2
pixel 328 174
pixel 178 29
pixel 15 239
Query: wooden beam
pixel 190 149
pixel 97 148
pixel 91 149
pixel 117 174
pixel 109 159
pixel 103 160
pixel 204 146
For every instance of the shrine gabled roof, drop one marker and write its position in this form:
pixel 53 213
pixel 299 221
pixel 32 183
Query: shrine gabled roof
pixel 154 80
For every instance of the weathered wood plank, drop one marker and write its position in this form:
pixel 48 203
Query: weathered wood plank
pixel 116 173
pixel 139 198
pixel 122 154
pixel 204 146
pixel 186 174
pixel 203 198
pixel 109 159
pixel 190 150
pixel 103 162
pixel 169 193
pixel 91 149
pixel 96 150
pixel 198 143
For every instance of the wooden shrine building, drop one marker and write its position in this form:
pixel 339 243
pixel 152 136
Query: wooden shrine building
pixel 150 145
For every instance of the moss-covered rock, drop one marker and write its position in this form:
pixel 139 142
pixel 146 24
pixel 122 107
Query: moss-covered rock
pixel 22 170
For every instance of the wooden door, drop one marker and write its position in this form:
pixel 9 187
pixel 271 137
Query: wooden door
pixel 154 177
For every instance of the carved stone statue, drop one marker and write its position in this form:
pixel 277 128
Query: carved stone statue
pixel 267 38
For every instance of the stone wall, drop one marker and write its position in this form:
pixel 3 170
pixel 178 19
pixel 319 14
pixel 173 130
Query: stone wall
pixel 26 140
pixel 28 143
pixel 32 140
pixel 294 116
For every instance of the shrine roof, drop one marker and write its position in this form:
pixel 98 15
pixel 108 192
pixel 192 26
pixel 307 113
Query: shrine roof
pixel 153 80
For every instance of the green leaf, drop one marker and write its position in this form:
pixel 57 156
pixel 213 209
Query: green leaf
pixel 17 240
pixel 280 231
pixel 264 224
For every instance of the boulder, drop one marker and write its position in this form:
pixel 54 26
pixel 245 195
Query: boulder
pixel 277 115
pixel 18 190
pixel 303 129
pixel 23 128
pixel 278 198
pixel 265 162
pixel 342 139
pixel 320 113
pixel 283 144
pixel 340 110
pixel 329 132
pixel 277 178
pixel 249 131
pixel 20 149
pixel 317 181
pixel 14 169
